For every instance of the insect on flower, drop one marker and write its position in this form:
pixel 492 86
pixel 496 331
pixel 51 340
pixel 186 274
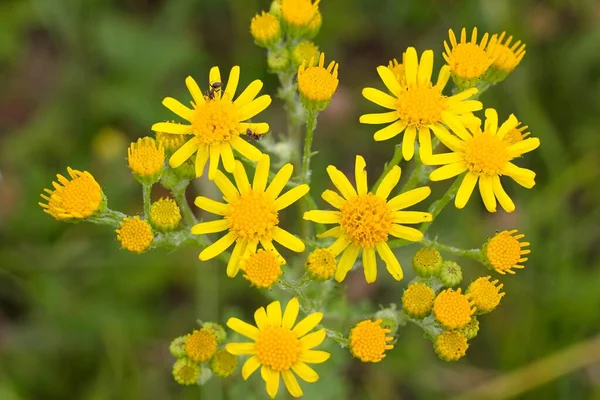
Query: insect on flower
pixel 214 88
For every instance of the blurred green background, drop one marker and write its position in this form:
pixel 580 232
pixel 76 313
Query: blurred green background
pixel 80 79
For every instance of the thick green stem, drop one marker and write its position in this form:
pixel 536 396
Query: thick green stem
pixel 179 194
pixel 147 191
pixel 293 108
pixel 311 124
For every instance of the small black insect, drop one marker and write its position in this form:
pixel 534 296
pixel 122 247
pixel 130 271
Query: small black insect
pixel 214 88
pixel 252 135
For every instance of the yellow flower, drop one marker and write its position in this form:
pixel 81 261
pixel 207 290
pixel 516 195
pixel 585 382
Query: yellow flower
pixel 265 29
pixel 78 198
pixel 368 341
pixel 281 348
pixel 146 160
pixel 485 156
pixel 451 345
pixel 366 219
pixel 185 371
pixel 453 309
pixel 427 262
pixel 398 70
pixel 315 25
pixel 171 142
pixel 417 300
pixel 201 345
pixel 135 234
pixel 504 252
pixel 262 269
pixel 305 51
pixel 316 83
pixel 506 57
pixel 321 264
pixel 216 122
pixel 468 60
pixel 298 16
pixel 223 363
pixel 165 215
pixel 418 106
pixel 251 214
pixel 485 295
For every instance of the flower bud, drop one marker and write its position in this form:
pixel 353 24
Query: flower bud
pixel 450 274
pixel 279 59
pixel 427 262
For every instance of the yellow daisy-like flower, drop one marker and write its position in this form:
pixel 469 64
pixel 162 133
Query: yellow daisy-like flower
pixel 451 345
pixel 201 345
pixel 262 269
pixel 398 70
pixel 485 156
pixel 216 122
pixel 453 309
pixel 368 341
pixel 418 106
pixel 282 347
pixel 146 160
pixel 316 83
pixel 298 15
pixel 505 56
pixel 321 264
pixel 485 294
pixel 504 252
pixel 165 214
pixel 135 234
pixel 251 213
pixel 78 198
pixel 417 300
pixel 366 219
pixel 467 59
pixel 265 29
pixel 223 363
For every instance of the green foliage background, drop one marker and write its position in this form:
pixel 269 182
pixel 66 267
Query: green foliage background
pixel 82 319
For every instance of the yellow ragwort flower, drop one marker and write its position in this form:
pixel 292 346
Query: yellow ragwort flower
pixel 170 141
pixel 262 269
pixel 485 294
pixel 298 15
pixel 366 219
pixel 185 371
pixel 368 341
pixel 316 83
pixel 417 300
pixel 321 264
pixel 265 29
pixel 165 215
pixel 305 51
pixel 201 345
pixel 451 345
pixel 485 156
pixel 251 213
pixel 146 160
pixel 223 363
pixel 281 348
pixel 398 70
pixel 427 262
pixel 418 106
pixel 453 309
pixel 135 234
pixel 504 252
pixel 78 198
pixel 216 122
pixel 506 57
pixel 468 60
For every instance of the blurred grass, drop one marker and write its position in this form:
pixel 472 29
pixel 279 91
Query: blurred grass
pixel 80 318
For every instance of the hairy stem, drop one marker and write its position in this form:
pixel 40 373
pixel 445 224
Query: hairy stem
pixel 311 124
pixel 147 191
pixel 475 254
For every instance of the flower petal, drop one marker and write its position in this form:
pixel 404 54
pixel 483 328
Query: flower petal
pixel 379 118
pixel 389 80
pixel 261 174
pixel 215 155
pixel 508 125
pixel 261 318
pixel 203 228
pixel 313 339
pixel 245 148
pixel 405 232
pixel 369 265
pixel 389 182
pixel 172 127
pixel 465 190
pixel 271 378
pixel 291 196
pixel 491 121
pixel 183 153
pixel 342 183
pixel 243 328
pixel 389 131
pixel 210 205
pixel 232 83
pixel 178 108
pixel 225 186
pixel 217 247
pixel 240 177
pixel 306 373
pixel 313 357
pixel 290 314
pixel 233 265
pixel 248 94
pixel 425 146
pixel 524 146
pixel 409 198
pixel 391 262
pixel 339 245
pixel 274 313
pixel 291 383
pixel 240 349
pixel 202 156
pixel 411 217
pixel 280 180
pixel 322 216
pixel 346 262
pixel 255 107
pixel 214 76
pixel 408 143
pixel 380 98
pixel 448 139
pixel 307 324
pixel 503 198
pixel 288 240
pixel 250 366
pixel 194 90
pixel 425 67
pixel 360 175
pixel 411 65
pixel 448 171
pixel 227 156
pixel 487 193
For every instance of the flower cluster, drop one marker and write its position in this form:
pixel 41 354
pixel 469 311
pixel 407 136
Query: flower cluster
pixel 250 226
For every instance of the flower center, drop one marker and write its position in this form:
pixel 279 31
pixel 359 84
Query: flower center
pixel 81 196
pixel 298 12
pixel 253 216
pixel 503 251
pixel 263 268
pixel 366 219
pixel 485 154
pixel 421 105
pixel 215 121
pixel 317 84
pixel 201 345
pixel 368 341
pixel 278 348
pixel 469 60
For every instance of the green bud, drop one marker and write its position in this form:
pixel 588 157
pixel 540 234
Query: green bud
pixel 305 51
pixel 279 59
pixel 223 363
pixel 186 171
pixel 169 178
pixel 450 274
pixel 186 372
pixel 275 9
pixel 177 347
pixel 389 318
pixel 217 330
pixel 427 262
pixel 471 329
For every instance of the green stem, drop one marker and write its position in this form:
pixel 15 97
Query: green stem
pixel 293 108
pixel 475 254
pixel 179 194
pixel 147 191
pixel 311 124
pixel 396 158
pixel 436 208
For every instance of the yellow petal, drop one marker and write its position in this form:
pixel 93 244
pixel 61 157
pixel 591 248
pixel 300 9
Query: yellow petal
pixel 307 324
pixel 248 94
pixel 409 198
pixel 379 118
pixel 448 171
pixel 225 186
pixel 261 318
pixel 274 313
pixel 322 216
pixel 243 328
pixel 425 146
pixel 241 349
pixel 339 245
pixel 245 148
pixel 465 190
pixel 232 83
pixel 524 146
pixel 449 140
pixel 214 75
pixel 210 205
pixel 291 383
pixel 443 77
pixel 210 227
pixel 508 125
pixel 389 131
pixel 217 247
pixel 290 314
pixel 369 265
pixel 227 155
pixel 487 193
pixel 291 196
pixel 411 65
pixel 342 183
pixel 255 107
pixel 404 232
pixel 408 142
pixel 334 232
pixel 380 98
pixel 491 121
pixel 503 198
pixel 288 240
pixel 333 198
pixel 346 262
pixel 411 217
pixel 360 175
pixel 391 262
pixel 306 373
pixel 389 182
pixel 425 67
pixel 240 177
pixel 194 90
pixel 233 265
pixel 178 108
pixel 202 156
pixel 250 366
pixel 184 152
pixel 280 180
pixel 261 174
pixel 215 155
pixel 389 80
pixel 172 127
pixel 271 378
pixel 313 339
pixel 313 357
